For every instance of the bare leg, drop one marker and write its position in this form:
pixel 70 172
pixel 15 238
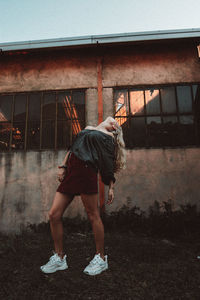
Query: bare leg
pixel 60 203
pixel 91 205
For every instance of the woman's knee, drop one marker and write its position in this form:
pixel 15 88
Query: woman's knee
pixel 93 216
pixel 54 216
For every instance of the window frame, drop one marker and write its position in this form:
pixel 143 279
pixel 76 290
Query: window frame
pixel 161 115
pixel 41 121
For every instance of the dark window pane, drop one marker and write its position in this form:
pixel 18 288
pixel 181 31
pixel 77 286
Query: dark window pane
pixel 184 97
pixel 78 97
pixel 76 127
pixel 168 100
pixel 125 128
pixel 137 132
pixel 48 134
pixel 194 89
pixel 5 129
pixel 78 101
pixel 154 131
pixel 20 108
pixel 64 106
pixel 34 107
pixel 153 120
pixel 64 136
pixel 49 106
pixel 18 136
pixel 124 123
pixel 121 103
pixel 170 131
pixel 33 135
pixel 170 119
pixel 186 131
pixel 137 102
pixel 152 101
pixel 187 119
pixel 5 108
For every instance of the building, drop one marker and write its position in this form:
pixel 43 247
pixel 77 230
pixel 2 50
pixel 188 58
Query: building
pixel 51 89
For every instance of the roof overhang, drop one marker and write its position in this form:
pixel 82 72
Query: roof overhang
pixel 102 40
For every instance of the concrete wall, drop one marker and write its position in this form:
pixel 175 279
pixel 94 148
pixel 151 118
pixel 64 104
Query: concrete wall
pixel 47 71
pixel 154 64
pixel 28 179
pixel 28 183
pixel 159 175
pixel 122 66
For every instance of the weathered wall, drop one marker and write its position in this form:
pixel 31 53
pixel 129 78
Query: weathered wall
pixel 159 175
pixel 47 71
pixel 28 179
pixel 28 183
pixel 154 64
pixel 91 107
pixel 122 66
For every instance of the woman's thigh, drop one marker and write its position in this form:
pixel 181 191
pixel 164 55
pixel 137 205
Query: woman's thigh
pixel 60 203
pixel 90 202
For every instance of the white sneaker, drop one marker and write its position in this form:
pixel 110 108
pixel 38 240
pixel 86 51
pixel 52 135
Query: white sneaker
pixel 97 265
pixel 54 264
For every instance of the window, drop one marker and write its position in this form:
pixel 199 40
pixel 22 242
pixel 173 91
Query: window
pixel 167 116
pixel 41 120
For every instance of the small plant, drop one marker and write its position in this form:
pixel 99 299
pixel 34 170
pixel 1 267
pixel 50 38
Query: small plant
pixel 161 220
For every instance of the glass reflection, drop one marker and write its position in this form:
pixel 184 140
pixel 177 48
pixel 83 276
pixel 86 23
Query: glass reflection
pixel 152 99
pixel 121 105
pixel 137 102
pixel 184 97
pixel 168 99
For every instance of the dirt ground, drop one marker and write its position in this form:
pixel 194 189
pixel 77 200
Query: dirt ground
pixel 140 267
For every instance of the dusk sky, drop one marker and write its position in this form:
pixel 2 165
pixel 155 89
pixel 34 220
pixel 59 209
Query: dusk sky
pixel 24 20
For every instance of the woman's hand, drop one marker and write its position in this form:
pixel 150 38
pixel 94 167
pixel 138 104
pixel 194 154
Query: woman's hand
pixel 110 195
pixel 61 174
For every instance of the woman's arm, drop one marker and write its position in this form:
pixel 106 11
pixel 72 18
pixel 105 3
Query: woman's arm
pixel 65 159
pixel 90 127
pixel 110 192
pixel 63 168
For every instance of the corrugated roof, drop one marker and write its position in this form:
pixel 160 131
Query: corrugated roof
pixel 102 39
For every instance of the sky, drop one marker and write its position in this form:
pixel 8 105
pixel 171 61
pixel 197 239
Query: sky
pixel 28 20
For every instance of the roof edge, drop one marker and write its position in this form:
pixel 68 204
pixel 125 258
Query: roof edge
pixel 101 39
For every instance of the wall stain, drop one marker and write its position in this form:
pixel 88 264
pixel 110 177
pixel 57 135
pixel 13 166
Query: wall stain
pixel 20 206
pixel 8 167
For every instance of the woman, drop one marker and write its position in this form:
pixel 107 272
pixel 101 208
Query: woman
pixel 95 149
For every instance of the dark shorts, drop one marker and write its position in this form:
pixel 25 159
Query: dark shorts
pixel 80 178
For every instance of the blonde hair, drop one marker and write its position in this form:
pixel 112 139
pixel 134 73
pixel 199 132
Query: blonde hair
pixel 120 152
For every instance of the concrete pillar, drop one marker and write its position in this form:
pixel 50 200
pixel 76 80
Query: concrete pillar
pixel 108 107
pixel 91 107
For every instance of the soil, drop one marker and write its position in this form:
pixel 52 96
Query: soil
pixel 140 267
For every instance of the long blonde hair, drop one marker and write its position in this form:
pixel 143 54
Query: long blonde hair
pixel 120 152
